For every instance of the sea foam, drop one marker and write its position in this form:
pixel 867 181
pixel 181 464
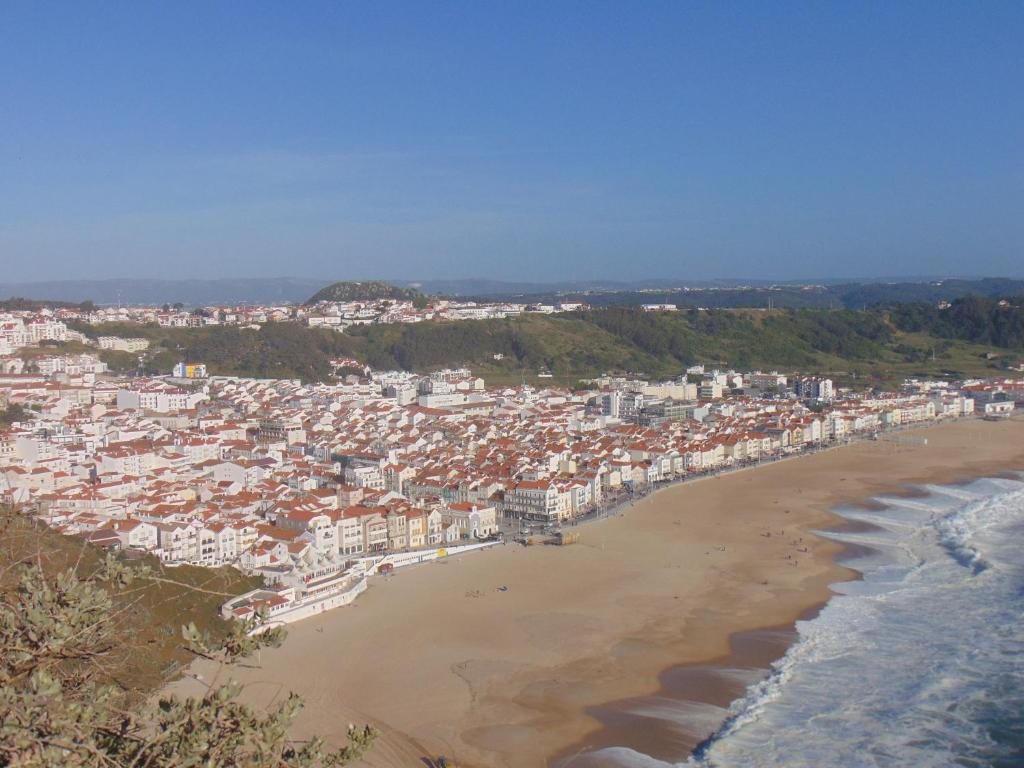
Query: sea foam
pixel 917 664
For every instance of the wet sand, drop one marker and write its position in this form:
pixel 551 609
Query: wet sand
pixel 445 664
pixel 689 706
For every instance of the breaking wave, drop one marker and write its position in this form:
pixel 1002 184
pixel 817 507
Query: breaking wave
pixel 921 663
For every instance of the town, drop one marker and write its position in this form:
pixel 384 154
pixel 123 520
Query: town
pixel 335 315
pixel 319 487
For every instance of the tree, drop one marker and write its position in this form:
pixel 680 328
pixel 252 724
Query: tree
pixel 61 704
pixel 119 361
pixel 12 414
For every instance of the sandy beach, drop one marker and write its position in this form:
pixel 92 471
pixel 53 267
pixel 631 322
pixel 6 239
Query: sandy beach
pixel 444 663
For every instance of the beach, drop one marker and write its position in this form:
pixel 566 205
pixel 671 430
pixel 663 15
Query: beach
pixel 443 662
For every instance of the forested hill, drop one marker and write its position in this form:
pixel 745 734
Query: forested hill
pixel 971 337
pixel 977 319
pixel 364 291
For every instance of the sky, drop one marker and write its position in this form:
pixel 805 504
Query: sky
pixel 518 141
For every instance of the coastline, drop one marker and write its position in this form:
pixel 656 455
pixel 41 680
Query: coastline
pixel 511 678
pixel 691 686
pixel 698 691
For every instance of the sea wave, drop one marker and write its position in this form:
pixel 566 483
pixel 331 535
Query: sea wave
pixel 918 664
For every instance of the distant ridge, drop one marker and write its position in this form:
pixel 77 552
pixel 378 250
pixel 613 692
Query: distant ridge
pixel 735 292
pixel 821 294
pixel 192 292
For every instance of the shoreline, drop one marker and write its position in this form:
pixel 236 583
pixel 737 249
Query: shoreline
pixel 754 650
pixel 621 506
pixel 510 679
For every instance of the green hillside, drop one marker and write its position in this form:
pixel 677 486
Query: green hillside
pixel 151 612
pixel 970 338
pixel 371 290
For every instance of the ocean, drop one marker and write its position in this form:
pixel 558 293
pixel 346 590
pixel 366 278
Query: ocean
pixel 920 663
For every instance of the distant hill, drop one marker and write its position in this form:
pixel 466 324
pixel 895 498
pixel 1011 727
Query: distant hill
pixel 504 288
pixel 822 294
pixel 19 304
pixel 825 295
pixel 367 290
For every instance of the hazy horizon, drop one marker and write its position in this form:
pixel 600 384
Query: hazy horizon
pixel 653 281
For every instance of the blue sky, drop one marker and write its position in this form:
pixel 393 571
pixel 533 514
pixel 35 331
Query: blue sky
pixel 511 140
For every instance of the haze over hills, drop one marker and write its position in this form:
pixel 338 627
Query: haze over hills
pixel 734 292
pixel 795 295
pixel 299 289
pixel 193 292
pixel 485 287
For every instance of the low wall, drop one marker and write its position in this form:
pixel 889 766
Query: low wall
pixel 369 565
pixel 313 607
pixel 402 559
